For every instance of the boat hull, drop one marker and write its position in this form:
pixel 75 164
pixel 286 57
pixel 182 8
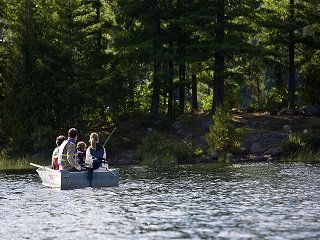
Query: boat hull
pixel 72 180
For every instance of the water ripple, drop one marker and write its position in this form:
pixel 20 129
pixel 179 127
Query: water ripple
pixel 251 201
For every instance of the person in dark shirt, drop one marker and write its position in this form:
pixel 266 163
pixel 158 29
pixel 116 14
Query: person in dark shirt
pixel 81 151
pixel 95 150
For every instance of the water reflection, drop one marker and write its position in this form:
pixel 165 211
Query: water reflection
pixel 251 201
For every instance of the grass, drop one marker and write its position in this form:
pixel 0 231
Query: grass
pixel 306 156
pixel 7 163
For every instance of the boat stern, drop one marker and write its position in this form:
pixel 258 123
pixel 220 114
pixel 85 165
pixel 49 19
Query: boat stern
pixel 50 178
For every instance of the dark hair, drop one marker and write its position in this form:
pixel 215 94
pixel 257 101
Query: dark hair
pixel 72 133
pixel 59 140
pixel 81 146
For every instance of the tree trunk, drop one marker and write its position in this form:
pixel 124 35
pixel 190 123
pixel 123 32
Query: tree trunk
pixel 170 64
pixel 182 86
pixel 156 66
pixel 292 84
pixel 218 81
pixel 181 53
pixel 194 93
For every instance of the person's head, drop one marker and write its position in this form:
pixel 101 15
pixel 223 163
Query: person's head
pixel 94 137
pixel 72 133
pixel 59 140
pixel 81 146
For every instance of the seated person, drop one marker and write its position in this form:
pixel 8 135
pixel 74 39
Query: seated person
pixel 55 154
pixel 68 153
pixel 81 151
pixel 95 150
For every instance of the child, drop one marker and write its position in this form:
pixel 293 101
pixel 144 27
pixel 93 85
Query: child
pixel 55 154
pixel 81 151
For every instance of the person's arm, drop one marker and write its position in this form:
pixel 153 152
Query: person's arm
pixel 71 149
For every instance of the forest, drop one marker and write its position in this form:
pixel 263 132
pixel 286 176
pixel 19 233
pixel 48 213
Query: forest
pixel 90 63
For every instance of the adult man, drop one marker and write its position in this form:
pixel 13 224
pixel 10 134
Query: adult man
pixel 68 153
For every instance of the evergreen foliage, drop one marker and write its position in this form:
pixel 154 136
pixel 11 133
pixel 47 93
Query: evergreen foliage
pixel 64 62
pixel 310 80
pixel 223 136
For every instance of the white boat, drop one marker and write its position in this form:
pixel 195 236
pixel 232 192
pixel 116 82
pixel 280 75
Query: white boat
pixel 72 180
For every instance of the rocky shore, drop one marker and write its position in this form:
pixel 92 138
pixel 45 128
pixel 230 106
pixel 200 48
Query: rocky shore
pixel 264 134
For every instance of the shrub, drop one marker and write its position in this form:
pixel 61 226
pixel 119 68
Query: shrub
pixel 275 99
pixel 299 142
pixel 223 136
pixel 156 150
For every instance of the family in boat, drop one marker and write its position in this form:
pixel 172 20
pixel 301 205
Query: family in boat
pixel 73 157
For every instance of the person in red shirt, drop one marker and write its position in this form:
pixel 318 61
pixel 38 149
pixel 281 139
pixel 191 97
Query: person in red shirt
pixel 55 154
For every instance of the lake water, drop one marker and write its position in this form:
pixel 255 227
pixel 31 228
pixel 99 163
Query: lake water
pixel 247 201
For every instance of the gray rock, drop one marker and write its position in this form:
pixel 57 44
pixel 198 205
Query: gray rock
pixel 286 129
pixel 274 151
pixel 214 155
pixel 256 148
pixel 177 126
pixel 188 138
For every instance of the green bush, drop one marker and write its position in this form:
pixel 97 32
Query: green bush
pixel 223 135
pixel 299 142
pixel 275 99
pixel 156 150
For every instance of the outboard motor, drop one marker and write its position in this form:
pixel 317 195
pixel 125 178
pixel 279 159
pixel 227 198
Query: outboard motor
pixel 96 163
pixel 104 164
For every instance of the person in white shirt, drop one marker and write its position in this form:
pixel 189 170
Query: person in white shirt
pixel 95 150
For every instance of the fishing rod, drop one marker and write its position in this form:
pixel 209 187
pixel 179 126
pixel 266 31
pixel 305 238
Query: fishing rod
pixel 109 136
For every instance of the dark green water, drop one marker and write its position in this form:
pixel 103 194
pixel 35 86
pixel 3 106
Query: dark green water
pixel 249 201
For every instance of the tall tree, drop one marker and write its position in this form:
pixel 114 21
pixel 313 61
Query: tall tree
pixel 194 88
pixel 287 26
pixel 156 62
pixel 170 87
pixel 292 82
pixel 25 97
pixel 219 64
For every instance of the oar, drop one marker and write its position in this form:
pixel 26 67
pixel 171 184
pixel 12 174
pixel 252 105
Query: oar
pixel 39 166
